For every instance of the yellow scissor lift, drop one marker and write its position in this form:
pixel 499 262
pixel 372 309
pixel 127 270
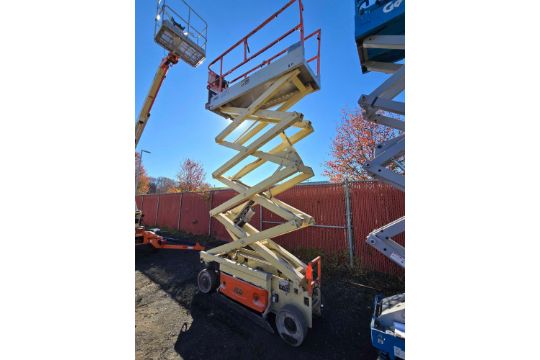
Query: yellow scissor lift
pixel 257 274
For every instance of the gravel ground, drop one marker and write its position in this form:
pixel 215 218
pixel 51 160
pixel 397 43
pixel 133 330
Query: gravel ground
pixel 175 321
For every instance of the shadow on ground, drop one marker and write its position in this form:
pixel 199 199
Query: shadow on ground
pixel 213 331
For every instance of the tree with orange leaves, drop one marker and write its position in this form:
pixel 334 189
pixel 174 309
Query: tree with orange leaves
pixel 354 145
pixel 141 178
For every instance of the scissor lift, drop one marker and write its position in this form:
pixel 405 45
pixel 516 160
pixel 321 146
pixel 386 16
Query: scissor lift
pixel 182 32
pixel 253 272
pixel 380 39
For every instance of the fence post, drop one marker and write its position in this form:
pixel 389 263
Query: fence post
pixel 157 211
pixel 179 212
pixel 348 219
pixel 210 217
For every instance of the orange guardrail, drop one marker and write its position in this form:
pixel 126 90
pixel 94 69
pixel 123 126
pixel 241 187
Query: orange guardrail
pixel 310 278
pixel 217 79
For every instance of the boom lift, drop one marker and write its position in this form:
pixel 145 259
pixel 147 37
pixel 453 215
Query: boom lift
pixel 182 32
pixel 253 273
pixel 380 39
pixel 168 61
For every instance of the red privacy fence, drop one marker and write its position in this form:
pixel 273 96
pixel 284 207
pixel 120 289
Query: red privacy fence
pixel 372 204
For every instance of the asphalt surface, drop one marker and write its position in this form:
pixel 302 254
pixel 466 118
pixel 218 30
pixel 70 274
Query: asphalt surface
pixel 175 321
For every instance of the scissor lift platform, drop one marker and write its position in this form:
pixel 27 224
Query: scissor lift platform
pixel 244 92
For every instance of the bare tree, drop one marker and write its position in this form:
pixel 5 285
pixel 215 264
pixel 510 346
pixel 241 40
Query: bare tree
pixel 165 185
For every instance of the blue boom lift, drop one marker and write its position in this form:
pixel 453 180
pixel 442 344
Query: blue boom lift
pixel 380 39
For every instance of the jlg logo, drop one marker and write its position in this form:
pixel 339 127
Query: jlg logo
pixel 392 5
pixel 238 291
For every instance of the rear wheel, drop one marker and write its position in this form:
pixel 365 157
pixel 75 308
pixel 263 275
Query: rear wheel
pixel 291 325
pixel 207 280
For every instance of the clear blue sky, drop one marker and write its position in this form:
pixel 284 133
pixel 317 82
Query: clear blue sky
pixel 180 127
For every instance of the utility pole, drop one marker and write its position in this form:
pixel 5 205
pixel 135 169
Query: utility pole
pixel 139 168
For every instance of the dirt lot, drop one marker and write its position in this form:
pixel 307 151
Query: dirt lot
pixel 175 321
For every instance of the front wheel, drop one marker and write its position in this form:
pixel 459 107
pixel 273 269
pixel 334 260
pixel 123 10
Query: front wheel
pixel 291 325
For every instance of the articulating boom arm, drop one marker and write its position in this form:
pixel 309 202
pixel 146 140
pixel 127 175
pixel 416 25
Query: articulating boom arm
pixel 144 115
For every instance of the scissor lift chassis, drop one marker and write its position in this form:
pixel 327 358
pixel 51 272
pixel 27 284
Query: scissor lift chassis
pixel 387 342
pixel 253 263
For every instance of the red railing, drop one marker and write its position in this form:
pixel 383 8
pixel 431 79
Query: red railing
pixel 217 81
pixel 312 280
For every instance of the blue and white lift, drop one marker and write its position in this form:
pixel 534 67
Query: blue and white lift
pixel 380 39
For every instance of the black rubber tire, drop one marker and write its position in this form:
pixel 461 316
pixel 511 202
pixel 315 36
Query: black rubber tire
pixel 207 281
pixel 291 325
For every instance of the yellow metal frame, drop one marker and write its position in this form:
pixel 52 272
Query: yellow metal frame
pixel 252 255
pixel 161 73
